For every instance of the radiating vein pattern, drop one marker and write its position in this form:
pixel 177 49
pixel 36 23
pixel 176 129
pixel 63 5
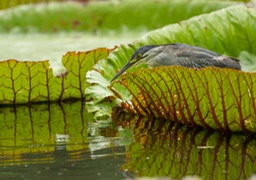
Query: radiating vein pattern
pixel 213 98
pixel 33 82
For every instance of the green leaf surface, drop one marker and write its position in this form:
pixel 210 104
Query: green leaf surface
pixel 105 70
pixel 4 4
pixel 228 31
pixel 33 82
pixel 103 17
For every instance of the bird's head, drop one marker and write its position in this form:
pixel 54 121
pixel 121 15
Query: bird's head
pixel 142 54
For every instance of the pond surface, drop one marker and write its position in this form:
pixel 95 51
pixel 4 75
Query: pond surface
pixel 63 142
pixel 59 142
pixel 63 164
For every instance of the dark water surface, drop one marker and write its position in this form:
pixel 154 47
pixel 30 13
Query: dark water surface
pixel 63 164
pixel 64 142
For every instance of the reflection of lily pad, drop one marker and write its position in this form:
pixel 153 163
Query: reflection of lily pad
pixel 166 149
pixel 34 129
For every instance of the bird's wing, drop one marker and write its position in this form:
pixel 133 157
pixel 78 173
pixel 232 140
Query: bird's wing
pixel 196 57
pixel 183 50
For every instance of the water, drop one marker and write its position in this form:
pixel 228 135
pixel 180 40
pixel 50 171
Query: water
pixel 65 161
pixel 63 164
pixel 51 141
pixel 59 142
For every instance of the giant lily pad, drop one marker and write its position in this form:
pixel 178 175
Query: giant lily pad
pixel 213 98
pixel 33 82
pixel 222 31
pixel 104 17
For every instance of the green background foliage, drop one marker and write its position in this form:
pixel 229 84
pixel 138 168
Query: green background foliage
pixel 228 31
pixel 104 17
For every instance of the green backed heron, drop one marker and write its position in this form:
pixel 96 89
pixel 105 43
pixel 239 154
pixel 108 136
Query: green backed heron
pixel 179 55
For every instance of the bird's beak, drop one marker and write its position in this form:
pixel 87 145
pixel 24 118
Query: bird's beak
pixel 129 64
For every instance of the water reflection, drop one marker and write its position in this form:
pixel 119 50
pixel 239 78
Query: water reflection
pixel 64 142
pixel 58 142
pixel 63 164
pixel 165 149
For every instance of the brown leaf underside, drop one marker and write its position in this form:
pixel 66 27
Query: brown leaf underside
pixel 213 98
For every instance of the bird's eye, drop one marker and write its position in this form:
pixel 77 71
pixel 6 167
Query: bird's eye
pixel 139 56
pixel 136 58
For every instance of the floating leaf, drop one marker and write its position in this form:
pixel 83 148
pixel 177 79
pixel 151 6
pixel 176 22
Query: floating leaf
pixel 104 71
pixel 103 17
pixel 230 107
pixel 33 82
pixel 212 98
pixel 228 31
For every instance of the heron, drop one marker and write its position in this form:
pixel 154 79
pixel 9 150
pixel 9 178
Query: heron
pixel 178 55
